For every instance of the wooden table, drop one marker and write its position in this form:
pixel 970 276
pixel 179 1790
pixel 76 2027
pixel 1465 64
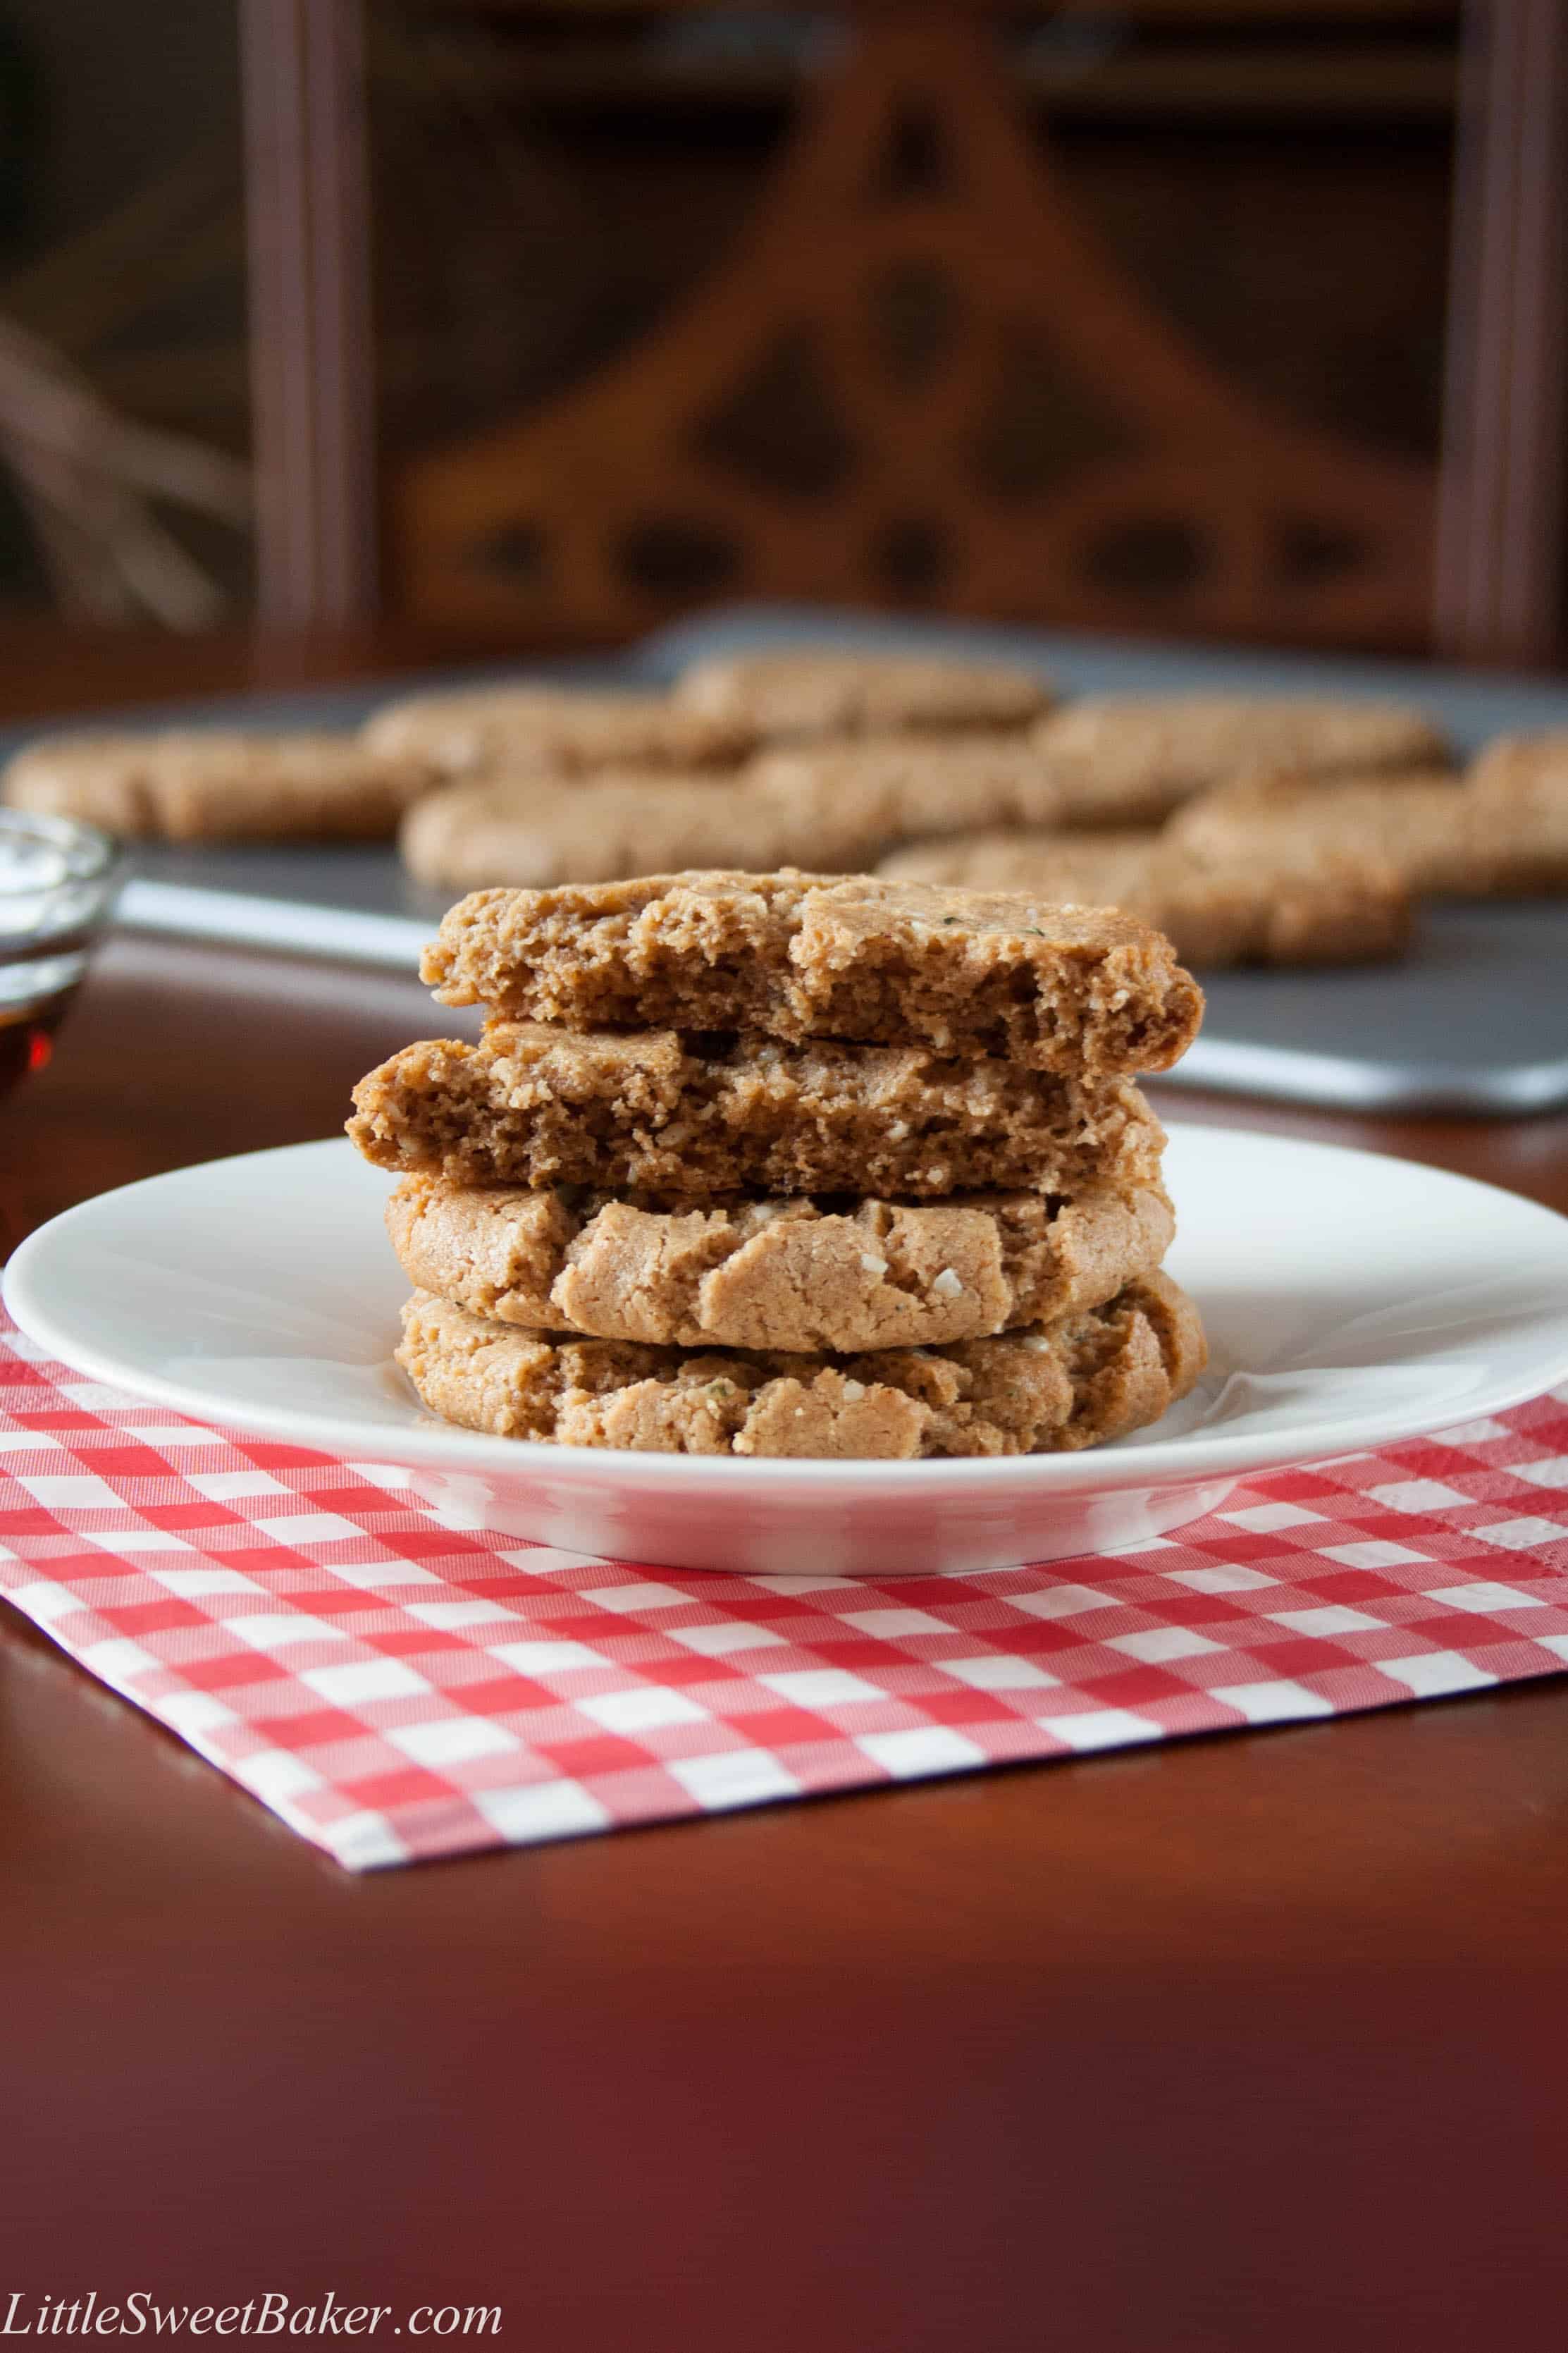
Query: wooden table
pixel 1255 2043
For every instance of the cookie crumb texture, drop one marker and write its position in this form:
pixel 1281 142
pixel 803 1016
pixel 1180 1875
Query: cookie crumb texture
pixel 532 1105
pixel 793 955
pixel 792 1275
pixel 1077 1382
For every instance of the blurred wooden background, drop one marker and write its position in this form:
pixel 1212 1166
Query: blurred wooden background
pixel 1221 316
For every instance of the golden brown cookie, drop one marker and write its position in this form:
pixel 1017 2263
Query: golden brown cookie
pixel 217 785
pixel 1060 1387
pixel 1444 837
pixel 1128 759
pixel 914 785
pixel 810 691
pixel 784 1274
pixel 554 731
pixel 800 956
pixel 640 1111
pixel 1068 869
pixel 1534 766
pixel 1342 907
pixel 544 831
pixel 1520 784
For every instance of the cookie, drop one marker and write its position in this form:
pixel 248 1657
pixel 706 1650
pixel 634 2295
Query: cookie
pixel 1520 787
pixel 554 731
pixel 1060 1387
pixel 917 784
pixel 809 691
pixel 1444 837
pixel 640 1111
pixel 543 831
pixel 799 955
pixel 1534 767
pixel 1071 870
pixel 1128 759
pixel 778 1274
pixel 1342 907
pixel 216 785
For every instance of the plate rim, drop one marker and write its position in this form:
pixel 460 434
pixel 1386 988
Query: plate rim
pixel 1198 1456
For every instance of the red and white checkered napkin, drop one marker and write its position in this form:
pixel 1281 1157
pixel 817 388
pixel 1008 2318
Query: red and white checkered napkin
pixel 394 1690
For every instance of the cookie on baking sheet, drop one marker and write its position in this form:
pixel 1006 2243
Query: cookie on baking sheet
pixel 1534 766
pixel 554 730
pixel 545 831
pixel 1418 824
pixel 1106 868
pixel 1445 836
pixel 785 1273
pixel 1520 784
pixel 1128 759
pixel 930 783
pixel 1341 906
pixel 1077 1382
pixel 799 955
pixel 809 691
pixel 217 785
pixel 640 1111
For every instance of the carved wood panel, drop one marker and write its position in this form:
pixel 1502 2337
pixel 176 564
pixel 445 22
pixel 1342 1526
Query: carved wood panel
pixel 918 379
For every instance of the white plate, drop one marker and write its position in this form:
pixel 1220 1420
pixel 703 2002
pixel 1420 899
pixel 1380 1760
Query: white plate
pixel 1350 1301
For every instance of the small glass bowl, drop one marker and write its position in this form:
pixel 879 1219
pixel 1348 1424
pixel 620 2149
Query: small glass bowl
pixel 58 883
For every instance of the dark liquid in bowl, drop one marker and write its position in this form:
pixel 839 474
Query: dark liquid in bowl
pixel 28 1024
pixel 27 1037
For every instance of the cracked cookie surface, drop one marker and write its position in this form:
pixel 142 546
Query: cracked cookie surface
pixel 777 1274
pixel 1079 1381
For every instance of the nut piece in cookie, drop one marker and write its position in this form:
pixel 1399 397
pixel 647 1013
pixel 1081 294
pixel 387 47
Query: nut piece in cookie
pixel 799 955
pixel 216 785
pixel 810 691
pixel 1337 906
pixel 1128 759
pixel 790 1274
pixel 1079 1381
pixel 554 730
pixel 638 1110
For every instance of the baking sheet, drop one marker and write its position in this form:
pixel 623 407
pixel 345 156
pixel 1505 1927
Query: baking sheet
pixel 1475 1021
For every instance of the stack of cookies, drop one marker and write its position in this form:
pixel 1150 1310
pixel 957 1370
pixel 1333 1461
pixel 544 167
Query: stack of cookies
pixel 789 1165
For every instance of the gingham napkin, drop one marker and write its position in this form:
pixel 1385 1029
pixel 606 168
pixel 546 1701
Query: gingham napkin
pixel 395 1690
